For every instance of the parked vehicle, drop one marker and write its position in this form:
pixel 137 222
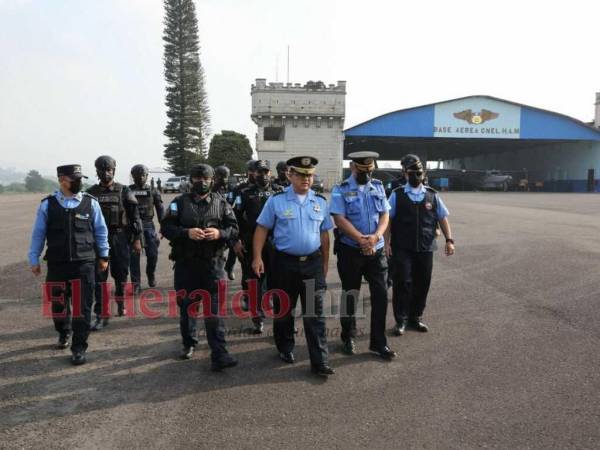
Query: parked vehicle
pixel 318 185
pixel 173 184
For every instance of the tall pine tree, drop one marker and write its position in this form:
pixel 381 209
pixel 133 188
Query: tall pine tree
pixel 188 114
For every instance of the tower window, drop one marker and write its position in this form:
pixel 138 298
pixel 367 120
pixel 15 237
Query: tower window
pixel 274 133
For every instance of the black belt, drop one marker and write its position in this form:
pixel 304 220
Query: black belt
pixel 303 258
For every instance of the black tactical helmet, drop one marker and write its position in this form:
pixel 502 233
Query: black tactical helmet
pixel 251 165
pixel 222 171
pixel 139 170
pixel 202 171
pixel 105 162
pixel 281 166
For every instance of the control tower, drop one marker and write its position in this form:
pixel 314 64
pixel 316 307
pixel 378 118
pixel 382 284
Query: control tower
pixel 295 120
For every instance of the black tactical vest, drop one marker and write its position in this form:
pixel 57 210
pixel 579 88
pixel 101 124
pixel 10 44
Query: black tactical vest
pixel 253 200
pixel 145 202
pixel 204 214
pixel 413 226
pixel 70 232
pixel 111 203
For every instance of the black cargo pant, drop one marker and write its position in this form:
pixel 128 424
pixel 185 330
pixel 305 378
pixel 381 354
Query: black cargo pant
pixel 411 281
pixel 352 266
pixel 82 293
pixel 262 281
pixel 118 266
pixel 151 243
pixel 195 275
pixel 306 280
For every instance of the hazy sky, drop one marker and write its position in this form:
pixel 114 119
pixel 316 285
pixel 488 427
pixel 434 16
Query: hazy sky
pixel 80 78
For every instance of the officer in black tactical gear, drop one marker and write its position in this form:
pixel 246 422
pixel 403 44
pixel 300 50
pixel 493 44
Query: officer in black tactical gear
pixel 148 200
pixel 199 226
pixel 120 210
pixel 250 173
pixel 282 181
pixel 71 223
pixel 221 186
pixel 416 211
pixel 248 205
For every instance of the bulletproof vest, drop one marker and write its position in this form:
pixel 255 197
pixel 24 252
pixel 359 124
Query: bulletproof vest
pixel 111 203
pixel 69 232
pixel 253 200
pixel 145 202
pixel 203 214
pixel 413 226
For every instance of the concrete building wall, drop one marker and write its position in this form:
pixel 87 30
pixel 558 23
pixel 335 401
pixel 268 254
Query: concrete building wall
pixel 310 118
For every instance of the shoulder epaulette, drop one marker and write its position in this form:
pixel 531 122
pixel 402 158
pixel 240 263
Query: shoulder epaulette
pixel 317 194
pixel 278 193
pixel 429 188
pixel 376 181
pixel 89 195
pixel 344 183
pixel 47 197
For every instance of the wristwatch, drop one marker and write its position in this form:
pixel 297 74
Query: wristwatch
pixel 450 240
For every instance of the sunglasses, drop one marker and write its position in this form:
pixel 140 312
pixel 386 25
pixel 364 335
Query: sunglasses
pixel 416 172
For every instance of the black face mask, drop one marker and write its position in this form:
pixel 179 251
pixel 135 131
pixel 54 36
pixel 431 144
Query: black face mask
pixel 363 177
pixel 282 176
pixel 251 178
pixel 201 187
pixel 140 181
pixel 262 180
pixel 106 176
pixel 75 186
pixel 415 178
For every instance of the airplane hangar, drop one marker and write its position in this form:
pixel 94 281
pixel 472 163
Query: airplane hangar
pixel 555 153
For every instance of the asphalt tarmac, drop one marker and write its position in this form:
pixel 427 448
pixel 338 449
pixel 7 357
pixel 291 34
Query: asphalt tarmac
pixel 511 361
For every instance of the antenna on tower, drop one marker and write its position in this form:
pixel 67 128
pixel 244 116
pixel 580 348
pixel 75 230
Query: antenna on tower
pixel 277 68
pixel 288 65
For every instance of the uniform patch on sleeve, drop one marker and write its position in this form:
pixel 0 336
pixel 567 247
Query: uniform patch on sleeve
pixel 173 207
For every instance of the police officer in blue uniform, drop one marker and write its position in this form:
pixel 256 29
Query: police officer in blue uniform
pixel 199 225
pixel 248 206
pixel 125 233
pixel 72 224
pixel 148 200
pixel 416 210
pixel 299 221
pixel 360 211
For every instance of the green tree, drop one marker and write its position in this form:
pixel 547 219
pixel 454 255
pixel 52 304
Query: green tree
pixel 188 124
pixel 34 182
pixel 231 149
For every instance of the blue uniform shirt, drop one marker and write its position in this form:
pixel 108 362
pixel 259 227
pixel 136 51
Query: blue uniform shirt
pixel 38 236
pixel 296 226
pixel 417 195
pixel 362 208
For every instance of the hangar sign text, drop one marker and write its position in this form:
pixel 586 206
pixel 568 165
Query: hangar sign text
pixel 477 117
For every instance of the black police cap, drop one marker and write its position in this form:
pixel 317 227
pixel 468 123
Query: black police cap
pixel 105 162
pixel 411 161
pixel 303 164
pixel 202 171
pixel 70 170
pixel 250 165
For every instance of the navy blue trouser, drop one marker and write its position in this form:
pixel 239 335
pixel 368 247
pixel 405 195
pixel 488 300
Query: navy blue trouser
pixel 192 275
pixel 151 243
pixel 62 311
pixel 118 266
pixel 352 266
pixel 294 277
